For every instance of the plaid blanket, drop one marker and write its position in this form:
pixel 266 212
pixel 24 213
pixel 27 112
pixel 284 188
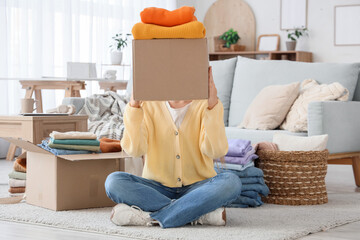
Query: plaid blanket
pixel 106 113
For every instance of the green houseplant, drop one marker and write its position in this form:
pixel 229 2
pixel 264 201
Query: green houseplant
pixel 230 37
pixel 119 44
pixel 293 36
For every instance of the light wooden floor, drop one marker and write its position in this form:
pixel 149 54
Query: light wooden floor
pixel 339 179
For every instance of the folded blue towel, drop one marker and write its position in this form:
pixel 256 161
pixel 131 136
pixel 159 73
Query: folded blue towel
pixel 242 200
pixel 249 180
pixel 87 142
pixel 250 194
pixel 45 145
pixel 247 172
pixel 257 187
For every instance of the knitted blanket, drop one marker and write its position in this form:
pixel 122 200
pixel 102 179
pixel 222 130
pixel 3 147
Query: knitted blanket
pixel 192 29
pixel 105 113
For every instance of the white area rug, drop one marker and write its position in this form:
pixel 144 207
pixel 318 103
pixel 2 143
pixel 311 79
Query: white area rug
pixel 266 222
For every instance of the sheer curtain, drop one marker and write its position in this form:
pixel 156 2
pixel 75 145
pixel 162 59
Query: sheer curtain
pixel 38 38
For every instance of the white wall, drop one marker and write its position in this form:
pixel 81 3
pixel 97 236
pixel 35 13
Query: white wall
pixel 320 25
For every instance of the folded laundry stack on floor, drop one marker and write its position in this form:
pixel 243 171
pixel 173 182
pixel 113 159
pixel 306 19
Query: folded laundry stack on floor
pixel 68 143
pixel 240 161
pixel 17 178
pixel 161 23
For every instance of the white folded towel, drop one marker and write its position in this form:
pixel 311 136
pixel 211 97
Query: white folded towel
pixel 17 182
pixel 72 135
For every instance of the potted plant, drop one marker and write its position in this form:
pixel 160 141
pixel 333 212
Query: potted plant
pixel 230 39
pixel 119 44
pixel 294 36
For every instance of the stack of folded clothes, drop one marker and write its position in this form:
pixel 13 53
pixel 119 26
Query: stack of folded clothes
pixel 240 161
pixel 240 155
pixel 17 178
pixel 253 185
pixel 67 143
pixel 161 23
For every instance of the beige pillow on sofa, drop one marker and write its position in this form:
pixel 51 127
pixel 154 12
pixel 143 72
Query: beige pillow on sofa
pixel 287 142
pixel 296 119
pixel 269 108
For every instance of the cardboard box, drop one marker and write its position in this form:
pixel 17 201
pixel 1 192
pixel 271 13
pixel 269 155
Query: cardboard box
pixel 67 182
pixel 170 69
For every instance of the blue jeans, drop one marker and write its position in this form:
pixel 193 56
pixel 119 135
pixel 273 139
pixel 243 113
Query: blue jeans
pixel 173 207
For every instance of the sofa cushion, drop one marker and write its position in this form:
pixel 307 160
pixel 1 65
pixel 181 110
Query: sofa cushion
pixel 223 73
pixel 269 108
pixel 287 142
pixel 253 75
pixel 256 136
pixel 311 91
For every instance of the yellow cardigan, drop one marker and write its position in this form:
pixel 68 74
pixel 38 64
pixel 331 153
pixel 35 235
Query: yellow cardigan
pixel 175 157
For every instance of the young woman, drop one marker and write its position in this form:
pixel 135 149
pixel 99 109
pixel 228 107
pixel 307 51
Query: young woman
pixel 179 185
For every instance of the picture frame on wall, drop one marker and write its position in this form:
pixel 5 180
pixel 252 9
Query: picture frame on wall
pixel 293 14
pixel 346 25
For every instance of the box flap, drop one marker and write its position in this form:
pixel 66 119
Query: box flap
pixel 22 155
pixel 94 156
pixel 31 147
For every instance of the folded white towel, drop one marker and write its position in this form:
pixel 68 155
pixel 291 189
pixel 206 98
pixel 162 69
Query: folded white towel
pixel 17 182
pixel 72 135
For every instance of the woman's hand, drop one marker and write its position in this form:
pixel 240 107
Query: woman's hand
pixel 213 99
pixel 134 103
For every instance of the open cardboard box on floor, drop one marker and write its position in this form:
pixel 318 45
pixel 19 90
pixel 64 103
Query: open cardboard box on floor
pixel 170 69
pixel 67 182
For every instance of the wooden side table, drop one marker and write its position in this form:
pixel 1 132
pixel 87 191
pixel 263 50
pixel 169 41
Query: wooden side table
pixel 37 128
pixel 72 89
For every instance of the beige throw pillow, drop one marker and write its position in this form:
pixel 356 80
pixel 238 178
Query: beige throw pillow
pixel 269 108
pixel 296 119
pixel 287 142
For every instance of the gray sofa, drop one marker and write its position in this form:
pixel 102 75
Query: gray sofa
pixel 239 80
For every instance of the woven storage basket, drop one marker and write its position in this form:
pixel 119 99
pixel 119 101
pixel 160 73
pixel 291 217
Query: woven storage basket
pixel 294 177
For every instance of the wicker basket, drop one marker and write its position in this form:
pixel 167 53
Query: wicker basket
pixel 294 177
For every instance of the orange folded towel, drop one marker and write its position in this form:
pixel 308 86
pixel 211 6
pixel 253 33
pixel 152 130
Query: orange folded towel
pixel 166 18
pixel 192 29
pixel 20 165
pixel 16 189
pixel 109 145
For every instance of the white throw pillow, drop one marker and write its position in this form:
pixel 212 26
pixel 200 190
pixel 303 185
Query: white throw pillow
pixel 270 107
pixel 286 142
pixel 311 91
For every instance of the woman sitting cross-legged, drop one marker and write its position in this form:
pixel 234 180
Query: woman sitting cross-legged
pixel 179 185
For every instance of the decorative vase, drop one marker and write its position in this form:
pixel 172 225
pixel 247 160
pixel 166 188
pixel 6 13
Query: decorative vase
pixel 116 57
pixel 291 45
